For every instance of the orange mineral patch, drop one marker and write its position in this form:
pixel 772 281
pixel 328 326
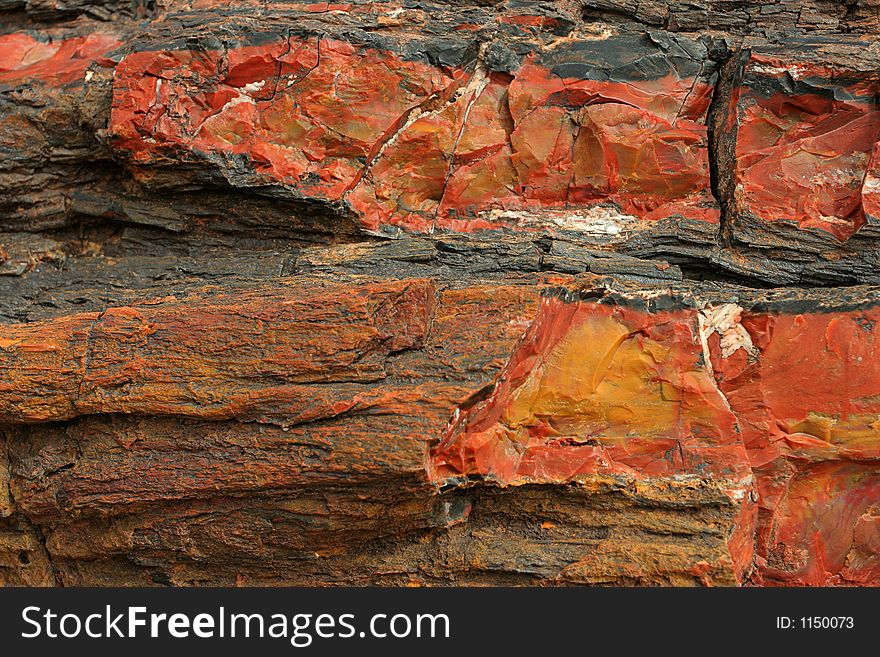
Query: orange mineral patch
pixel 805 156
pixel 24 59
pixel 598 389
pixel 413 146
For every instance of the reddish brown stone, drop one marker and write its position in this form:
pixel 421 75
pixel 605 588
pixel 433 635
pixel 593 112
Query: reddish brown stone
pixel 213 372
pixel 805 388
pixel 598 389
pixel 299 123
pixel 55 62
pixel 156 359
pixel 535 141
pixel 422 147
pixel 805 134
pixel 324 481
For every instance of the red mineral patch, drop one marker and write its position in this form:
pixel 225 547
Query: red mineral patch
pixel 805 157
pixel 53 62
pixel 807 396
pixel 307 125
pixel 608 390
pixel 419 147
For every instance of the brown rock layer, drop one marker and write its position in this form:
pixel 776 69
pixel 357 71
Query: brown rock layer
pixel 429 293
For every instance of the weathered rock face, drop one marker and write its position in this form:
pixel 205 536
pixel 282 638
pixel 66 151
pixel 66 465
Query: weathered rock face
pixel 809 132
pixel 802 130
pixel 593 122
pixel 641 387
pixel 429 293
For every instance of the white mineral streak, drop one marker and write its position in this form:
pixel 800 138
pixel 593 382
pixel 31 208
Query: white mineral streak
pixel 602 221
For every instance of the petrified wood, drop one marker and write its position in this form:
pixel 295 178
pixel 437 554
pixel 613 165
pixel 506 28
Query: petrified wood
pixel 430 293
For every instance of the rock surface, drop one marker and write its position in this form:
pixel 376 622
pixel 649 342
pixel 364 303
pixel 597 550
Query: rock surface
pixel 430 293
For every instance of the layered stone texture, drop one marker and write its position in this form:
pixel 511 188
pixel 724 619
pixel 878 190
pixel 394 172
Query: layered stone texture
pixel 702 398
pixel 802 17
pixel 430 293
pixel 644 387
pixel 526 118
pixel 799 166
pixel 51 106
pixel 147 477
pixel 608 129
pixel 160 360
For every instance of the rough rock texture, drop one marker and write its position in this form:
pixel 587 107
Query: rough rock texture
pixel 455 145
pixel 428 292
pixel 800 162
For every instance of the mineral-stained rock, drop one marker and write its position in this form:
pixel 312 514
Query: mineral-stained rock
pixel 803 131
pixel 816 142
pixel 606 128
pixel 619 389
pixel 644 387
pixel 51 106
pixel 599 388
pixel 241 499
pixel 805 389
pixel 422 292
pixel 54 62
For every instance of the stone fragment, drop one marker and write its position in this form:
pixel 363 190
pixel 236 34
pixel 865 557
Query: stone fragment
pixel 615 122
pixel 805 137
pixel 640 387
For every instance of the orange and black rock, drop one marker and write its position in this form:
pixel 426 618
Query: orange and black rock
pixel 427 293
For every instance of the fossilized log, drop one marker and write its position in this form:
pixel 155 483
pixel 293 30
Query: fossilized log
pixel 431 293
pixel 681 399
